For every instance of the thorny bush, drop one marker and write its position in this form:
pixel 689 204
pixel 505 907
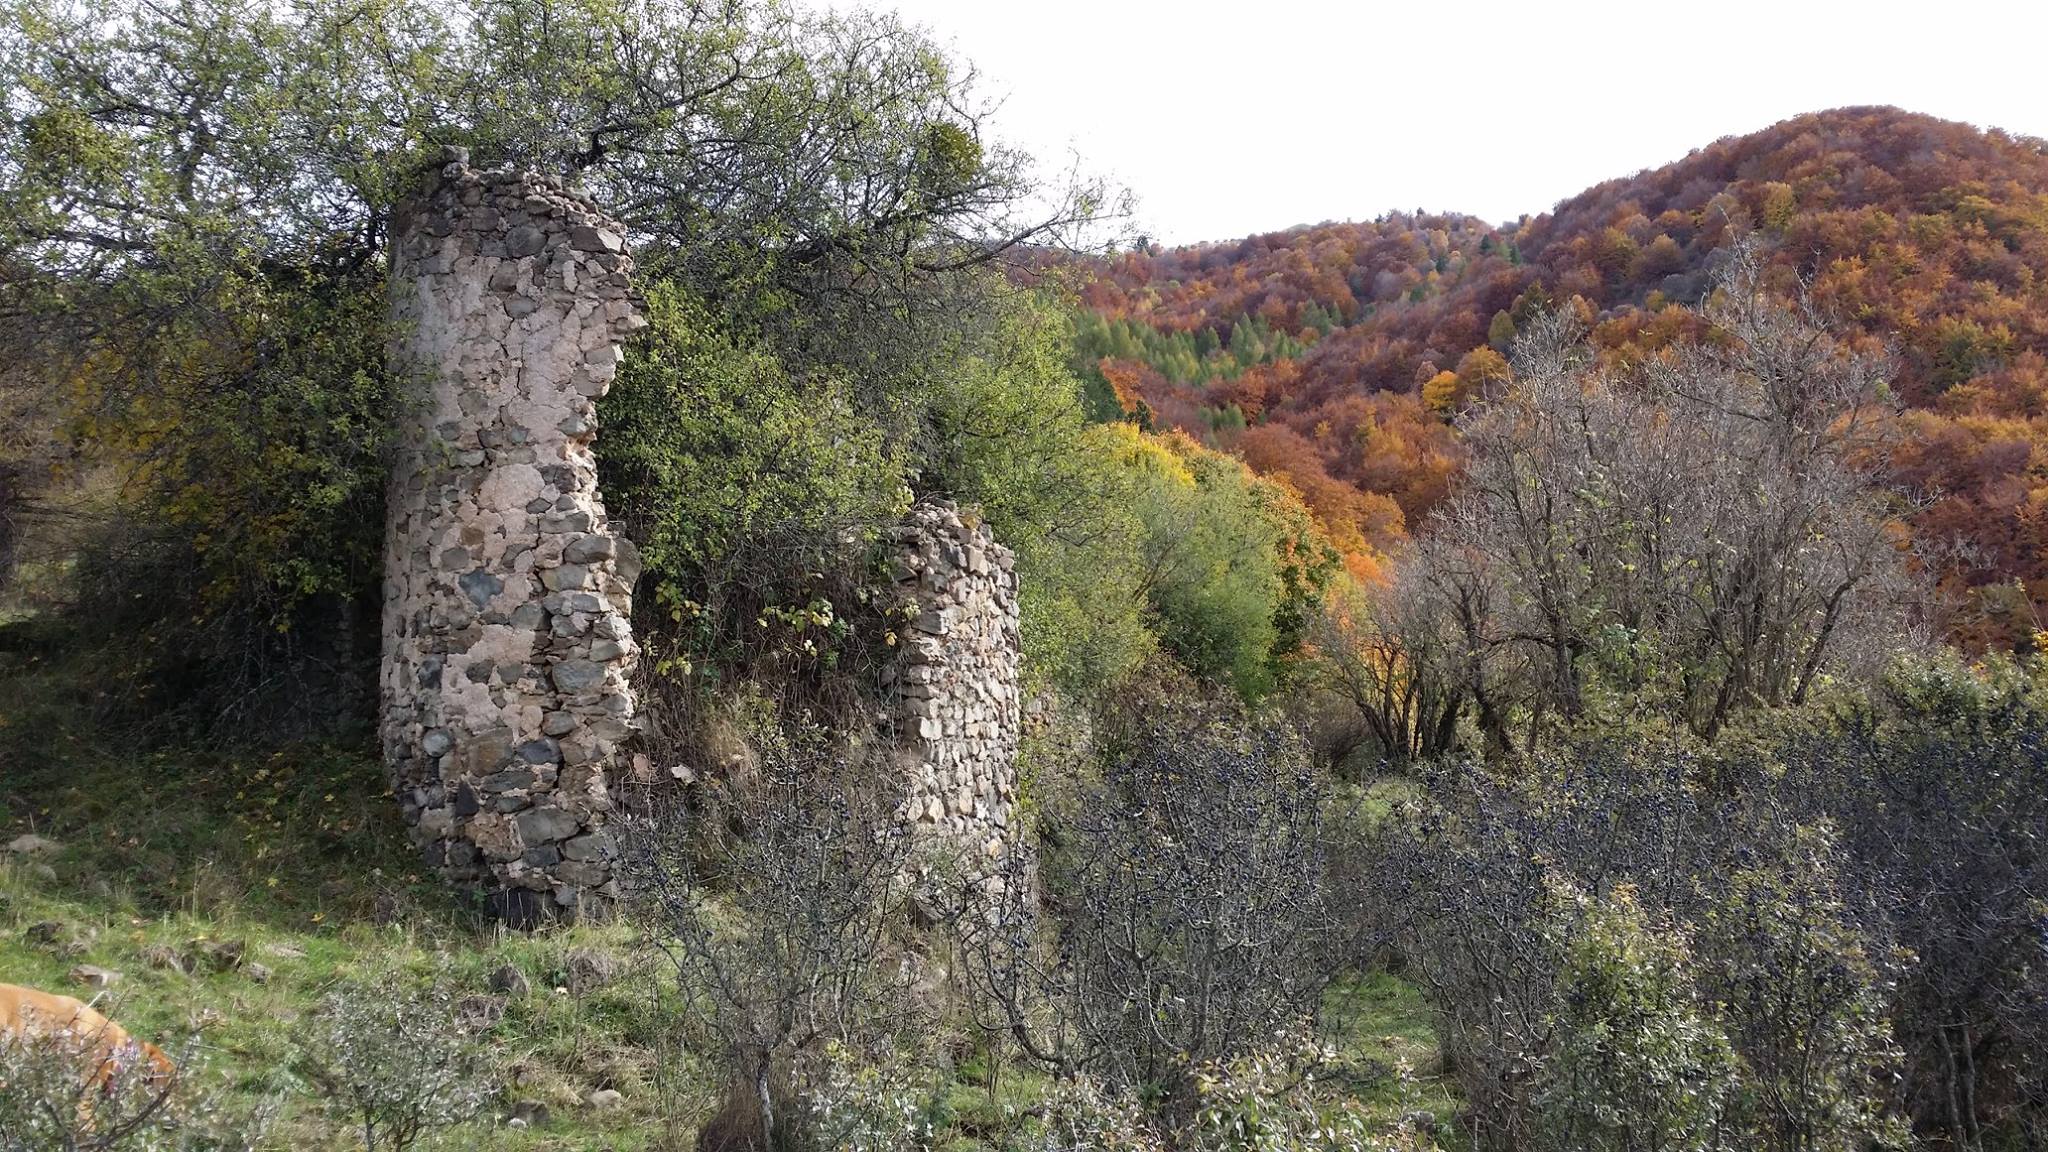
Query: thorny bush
pixel 1829 933
pixel 1189 908
pixel 780 938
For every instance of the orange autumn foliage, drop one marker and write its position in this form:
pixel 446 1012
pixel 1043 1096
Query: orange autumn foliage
pixel 1923 234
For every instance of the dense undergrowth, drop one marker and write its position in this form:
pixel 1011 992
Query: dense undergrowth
pixel 237 894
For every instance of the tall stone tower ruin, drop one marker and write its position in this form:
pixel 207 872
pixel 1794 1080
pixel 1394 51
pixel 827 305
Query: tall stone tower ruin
pixel 507 651
pixel 958 696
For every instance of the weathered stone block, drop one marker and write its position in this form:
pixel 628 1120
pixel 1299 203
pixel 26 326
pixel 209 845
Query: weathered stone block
pixel 595 846
pixel 596 240
pixel 524 241
pixel 540 825
pixel 495 837
pixel 576 677
pixel 541 751
pixel 509 780
pixel 565 576
pixel 589 550
pixel 480 586
pixel 584 874
pixel 484 752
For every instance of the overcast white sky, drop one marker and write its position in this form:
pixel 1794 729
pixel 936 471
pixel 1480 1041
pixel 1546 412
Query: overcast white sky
pixel 1233 118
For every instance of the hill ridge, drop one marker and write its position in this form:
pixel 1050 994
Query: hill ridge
pixel 1362 338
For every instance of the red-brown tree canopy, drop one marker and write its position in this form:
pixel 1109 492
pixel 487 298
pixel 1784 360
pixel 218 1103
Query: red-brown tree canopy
pixel 1310 351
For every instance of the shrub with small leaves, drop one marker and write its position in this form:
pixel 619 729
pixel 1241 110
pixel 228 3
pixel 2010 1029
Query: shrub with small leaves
pixel 1266 1101
pixel 1634 945
pixel 1937 787
pixel 1263 1100
pixel 1188 880
pixel 1640 1064
pixel 1081 1115
pixel 875 1104
pixel 399 1063
pixel 1805 998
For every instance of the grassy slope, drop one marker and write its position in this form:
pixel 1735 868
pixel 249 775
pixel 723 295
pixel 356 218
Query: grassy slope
pixel 295 857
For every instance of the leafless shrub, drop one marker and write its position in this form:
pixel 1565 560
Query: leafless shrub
pixel 1190 912
pixel 779 935
pixel 1699 536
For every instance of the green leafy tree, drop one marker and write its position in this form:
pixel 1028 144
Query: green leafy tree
pixel 743 486
pixel 1641 1065
pixel 194 201
pixel 1236 568
pixel 1500 332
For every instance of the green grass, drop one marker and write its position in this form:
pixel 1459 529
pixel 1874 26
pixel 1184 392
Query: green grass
pixel 250 1029
pixel 23 597
pixel 975 1112
pixel 295 859
pixel 1387 1057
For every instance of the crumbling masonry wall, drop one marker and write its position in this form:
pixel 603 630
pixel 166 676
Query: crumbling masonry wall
pixel 956 683
pixel 507 651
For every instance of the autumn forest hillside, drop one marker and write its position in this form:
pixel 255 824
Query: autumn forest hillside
pixel 1335 356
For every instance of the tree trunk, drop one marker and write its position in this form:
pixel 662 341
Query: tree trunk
pixel 764 1093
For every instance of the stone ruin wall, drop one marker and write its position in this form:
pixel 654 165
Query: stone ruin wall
pixel 956 686
pixel 507 651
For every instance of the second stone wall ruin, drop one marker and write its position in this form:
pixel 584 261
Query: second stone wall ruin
pixel 507 650
pixel 956 684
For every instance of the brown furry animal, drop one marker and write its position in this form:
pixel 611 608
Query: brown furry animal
pixel 27 1012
